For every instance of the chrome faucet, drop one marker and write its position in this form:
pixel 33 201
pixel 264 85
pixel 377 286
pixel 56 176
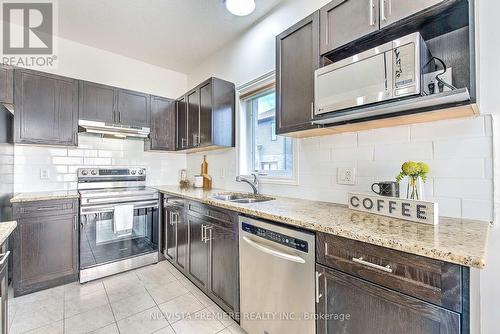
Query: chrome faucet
pixel 254 184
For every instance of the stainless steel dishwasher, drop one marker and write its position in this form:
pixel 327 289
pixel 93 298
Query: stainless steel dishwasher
pixel 277 279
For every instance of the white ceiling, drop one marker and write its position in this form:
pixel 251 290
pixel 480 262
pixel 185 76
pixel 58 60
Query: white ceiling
pixel 174 34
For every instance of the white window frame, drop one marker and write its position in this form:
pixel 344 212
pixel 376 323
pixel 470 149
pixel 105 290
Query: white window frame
pixel 253 88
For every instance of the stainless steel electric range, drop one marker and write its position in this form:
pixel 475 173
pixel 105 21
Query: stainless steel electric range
pixel 119 221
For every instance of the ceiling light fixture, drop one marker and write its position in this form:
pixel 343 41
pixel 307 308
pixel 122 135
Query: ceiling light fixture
pixel 240 7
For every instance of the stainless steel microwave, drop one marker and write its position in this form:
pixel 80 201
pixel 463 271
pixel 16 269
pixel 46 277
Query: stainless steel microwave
pixel 387 72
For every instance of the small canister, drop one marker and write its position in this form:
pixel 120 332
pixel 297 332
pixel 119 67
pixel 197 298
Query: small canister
pixel 198 181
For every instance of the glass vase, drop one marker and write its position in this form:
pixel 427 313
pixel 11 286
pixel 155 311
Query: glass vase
pixel 415 189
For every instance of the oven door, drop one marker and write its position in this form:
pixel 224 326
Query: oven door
pixel 101 244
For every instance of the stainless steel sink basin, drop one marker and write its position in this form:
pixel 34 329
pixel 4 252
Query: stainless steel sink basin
pixel 242 198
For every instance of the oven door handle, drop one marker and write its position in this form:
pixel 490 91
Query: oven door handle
pixel 107 200
pixel 111 208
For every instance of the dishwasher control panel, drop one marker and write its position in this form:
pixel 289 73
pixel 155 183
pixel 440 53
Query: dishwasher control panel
pixel 279 238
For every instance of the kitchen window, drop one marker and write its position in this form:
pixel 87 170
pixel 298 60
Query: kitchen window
pixel 261 150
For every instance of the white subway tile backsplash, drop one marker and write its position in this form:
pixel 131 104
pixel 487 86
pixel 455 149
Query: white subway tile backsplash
pixel 339 140
pixel 463 168
pixel 477 209
pixel 464 188
pixel 480 147
pixel 62 164
pixel 353 154
pixel 456 128
pixel 67 161
pixel 399 134
pixel 448 207
pixel 409 151
pixel 97 161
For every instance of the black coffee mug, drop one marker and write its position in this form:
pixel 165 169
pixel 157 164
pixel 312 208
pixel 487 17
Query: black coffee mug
pixel 386 188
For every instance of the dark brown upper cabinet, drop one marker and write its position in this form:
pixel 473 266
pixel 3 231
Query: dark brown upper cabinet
pixel 6 84
pixel 373 309
pixel 134 108
pixel 97 102
pixel 163 116
pixel 206 116
pixel 193 118
pixel 392 11
pixel 343 21
pixel 46 109
pixel 108 104
pixel 182 121
pixel 297 57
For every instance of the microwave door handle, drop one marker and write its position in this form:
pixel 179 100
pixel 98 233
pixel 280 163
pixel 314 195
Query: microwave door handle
pixel 389 78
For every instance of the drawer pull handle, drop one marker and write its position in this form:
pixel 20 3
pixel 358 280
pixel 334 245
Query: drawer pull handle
pixel 360 260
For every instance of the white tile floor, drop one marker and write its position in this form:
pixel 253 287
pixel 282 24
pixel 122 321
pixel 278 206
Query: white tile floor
pixel 153 299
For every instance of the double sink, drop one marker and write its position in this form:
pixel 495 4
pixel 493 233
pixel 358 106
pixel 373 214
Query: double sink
pixel 242 198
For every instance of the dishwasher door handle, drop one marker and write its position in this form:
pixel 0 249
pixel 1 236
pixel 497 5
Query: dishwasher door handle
pixel 262 248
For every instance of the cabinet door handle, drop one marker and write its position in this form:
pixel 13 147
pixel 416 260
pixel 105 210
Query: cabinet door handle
pixel 312 110
pixel 372 13
pixel 360 260
pixel 75 223
pixel 386 9
pixel 318 295
pixel 203 232
pixel 209 229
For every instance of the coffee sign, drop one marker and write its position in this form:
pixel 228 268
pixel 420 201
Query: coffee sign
pixel 417 211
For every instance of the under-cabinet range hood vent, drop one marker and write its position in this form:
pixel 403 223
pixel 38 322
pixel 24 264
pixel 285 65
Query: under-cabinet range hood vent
pixel 113 130
pixel 450 98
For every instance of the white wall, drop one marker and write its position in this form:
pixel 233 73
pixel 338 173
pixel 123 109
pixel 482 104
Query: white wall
pixel 80 61
pixel 459 151
pixel 489 54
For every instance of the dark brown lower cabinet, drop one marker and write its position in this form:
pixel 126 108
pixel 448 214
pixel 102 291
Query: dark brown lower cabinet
pixel 44 245
pixel 223 264
pixel 348 304
pixel 198 251
pixel 175 234
pixel 210 258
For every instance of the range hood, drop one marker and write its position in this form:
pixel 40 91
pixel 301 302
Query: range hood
pixel 113 130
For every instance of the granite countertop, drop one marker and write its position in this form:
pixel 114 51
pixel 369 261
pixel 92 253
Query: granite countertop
pixel 44 196
pixel 459 241
pixel 6 228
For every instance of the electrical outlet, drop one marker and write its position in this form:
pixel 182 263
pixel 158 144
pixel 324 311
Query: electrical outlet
pixel 431 77
pixel 44 174
pixel 346 176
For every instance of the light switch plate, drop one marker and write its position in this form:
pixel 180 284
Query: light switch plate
pixel 346 176
pixel 44 174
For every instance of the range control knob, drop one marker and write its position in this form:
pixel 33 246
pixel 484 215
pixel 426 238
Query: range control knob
pixel 141 171
pixel 133 172
pixel 93 172
pixel 85 172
